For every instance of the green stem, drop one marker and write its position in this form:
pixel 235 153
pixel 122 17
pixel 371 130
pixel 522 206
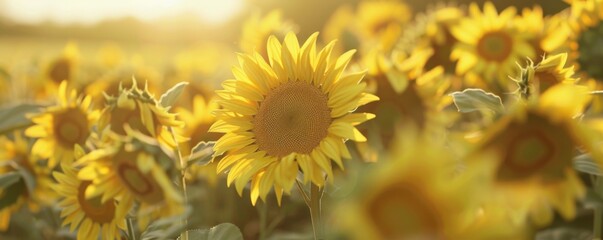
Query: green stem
pixel 598 218
pixel 183 165
pixel 315 211
pixel 130 228
pixel 263 211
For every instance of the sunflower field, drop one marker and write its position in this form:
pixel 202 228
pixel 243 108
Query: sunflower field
pixel 294 120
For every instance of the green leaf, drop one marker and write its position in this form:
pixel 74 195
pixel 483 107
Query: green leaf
pixel 592 199
pixel 475 99
pixel 169 98
pixel 584 163
pixel 166 228
pixel 9 179
pixel 564 233
pixel 222 231
pixel 202 153
pixel 15 116
pixel 11 194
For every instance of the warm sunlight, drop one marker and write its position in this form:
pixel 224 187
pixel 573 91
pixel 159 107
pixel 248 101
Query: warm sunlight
pixel 91 11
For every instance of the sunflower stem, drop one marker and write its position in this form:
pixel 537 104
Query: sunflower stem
pixel 130 228
pixel 315 211
pixel 598 218
pixel 263 212
pixel 300 187
pixel 183 165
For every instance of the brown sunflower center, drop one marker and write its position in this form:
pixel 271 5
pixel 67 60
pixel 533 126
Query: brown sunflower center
pixel 71 127
pixel 294 117
pixel 143 186
pixel 402 211
pixel 132 117
pixel 93 208
pixel 495 46
pixel 60 70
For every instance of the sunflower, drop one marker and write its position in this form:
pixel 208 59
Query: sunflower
pixel 257 29
pixel 489 45
pixel 547 73
pixel 536 144
pixel 136 168
pixel 15 157
pixel 60 128
pixel 63 68
pixel 548 34
pixel 196 130
pixel 339 26
pixel 418 193
pixel 138 109
pixel 110 82
pixel 89 215
pixel 382 21
pixel 586 29
pixel 289 114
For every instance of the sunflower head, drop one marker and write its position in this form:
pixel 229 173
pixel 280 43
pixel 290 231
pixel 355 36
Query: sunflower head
pixel 138 109
pixel 382 20
pixel 60 128
pixel 548 72
pixel 290 113
pixel 90 216
pixel 536 145
pixel 586 32
pixel 490 44
pixel 63 67
pixel 257 29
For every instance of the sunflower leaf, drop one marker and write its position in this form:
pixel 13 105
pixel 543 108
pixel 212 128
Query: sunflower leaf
pixel 584 163
pixel 15 116
pixel 202 153
pixel 11 193
pixel 8 179
pixel 475 99
pixel 169 97
pixel 221 231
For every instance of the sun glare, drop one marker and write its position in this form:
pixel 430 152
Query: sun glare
pixel 93 11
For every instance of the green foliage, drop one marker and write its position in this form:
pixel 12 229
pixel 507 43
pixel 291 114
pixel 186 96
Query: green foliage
pixel 202 153
pixel 222 231
pixel 169 97
pixel 584 163
pixel 474 99
pixel 15 116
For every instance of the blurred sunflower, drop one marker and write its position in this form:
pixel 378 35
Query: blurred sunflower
pixel 138 109
pixel 288 114
pixel 110 56
pixel 548 34
pixel 198 123
pixel 585 42
pixel 419 194
pixel 257 29
pixel 536 144
pixel 63 68
pixel 15 157
pixel 339 27
pixel 60 128
pixel 489 45
pixel 382 21
pixel 89 216
pixel 137 168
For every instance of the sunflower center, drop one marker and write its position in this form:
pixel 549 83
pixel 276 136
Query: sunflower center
pixel 537 148
pixel 294 117
pixel 71 127
pixel 123 116
pixel 93 208
pixel 590 51
pixel 402 211
pixel 495 46
pixel 60 70
pixel 143 186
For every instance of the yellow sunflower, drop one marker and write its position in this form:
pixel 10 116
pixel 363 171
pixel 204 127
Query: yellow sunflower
pixel 340 27
pixel 89 216
pixel 137 168
pixel 60 128
pixel 63 68
pixel 536 144
pixel 139 110
pixel 382 21
pixel 418 193
pixel 257 29
pixel 15 156
pixel 547 73
pixel 548 34
pixel 110 82
pixel 585 24
pixel 489 45
pixel 288 114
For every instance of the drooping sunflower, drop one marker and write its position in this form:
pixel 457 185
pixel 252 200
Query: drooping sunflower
pixel 536 143
pixel 489 45
pixel 138 109
pixel 15 157
pixel 91 217
pixel 132 169
pixel 586 29
pixel 257 29
pixel 288 114
pixel 548 72
pixel 60 128
pixel 418 193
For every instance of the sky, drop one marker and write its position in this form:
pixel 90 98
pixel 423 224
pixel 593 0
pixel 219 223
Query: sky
pixel 88 12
